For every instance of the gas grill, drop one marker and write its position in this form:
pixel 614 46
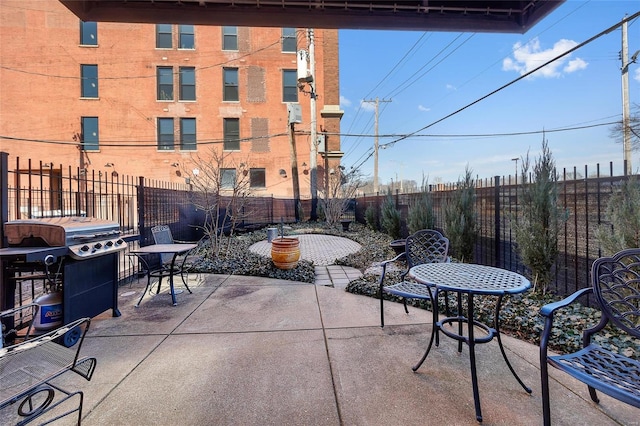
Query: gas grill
pixel 82 251
pixel 84 237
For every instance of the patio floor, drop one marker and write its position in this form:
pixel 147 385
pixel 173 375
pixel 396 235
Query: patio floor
pixel 255 351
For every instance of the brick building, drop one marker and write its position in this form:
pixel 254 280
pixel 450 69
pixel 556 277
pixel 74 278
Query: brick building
pixel 158 100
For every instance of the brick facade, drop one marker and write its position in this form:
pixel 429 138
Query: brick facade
pixel 41 104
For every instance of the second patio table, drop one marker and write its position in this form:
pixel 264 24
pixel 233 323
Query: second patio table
pixel 471 280
pixel 175 250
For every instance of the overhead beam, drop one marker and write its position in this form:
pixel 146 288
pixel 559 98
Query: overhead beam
pixel 425 15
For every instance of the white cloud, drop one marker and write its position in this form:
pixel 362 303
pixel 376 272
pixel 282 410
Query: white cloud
pixel 344 101
pixel 423 108
pixel 451 87
pixel 367 106
pixel 527 57
pixel 575 65
pixel 637 76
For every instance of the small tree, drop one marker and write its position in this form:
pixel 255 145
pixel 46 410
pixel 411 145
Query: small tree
pixel 371 218
pixel 390 220
pixel 623 214
pixel 461 226
pixel 339 190
pixel 421 215
pixel 538 224
pixel 221 190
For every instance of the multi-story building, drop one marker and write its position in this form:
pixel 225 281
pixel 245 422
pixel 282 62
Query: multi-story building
pixel 156 100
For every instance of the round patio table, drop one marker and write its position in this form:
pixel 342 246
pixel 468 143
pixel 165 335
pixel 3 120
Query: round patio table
pixel 472 280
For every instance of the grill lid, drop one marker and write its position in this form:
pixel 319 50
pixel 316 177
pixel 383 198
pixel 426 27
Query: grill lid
pixel 59 231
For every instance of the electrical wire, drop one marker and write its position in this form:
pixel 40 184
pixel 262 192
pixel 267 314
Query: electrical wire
pixel 523 76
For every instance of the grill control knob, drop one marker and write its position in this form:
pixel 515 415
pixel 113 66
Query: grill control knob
pixel 84 248
pixel 97 246
pixel 119 241
pixel 109 243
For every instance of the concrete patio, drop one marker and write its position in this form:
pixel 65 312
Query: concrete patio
pixel 255 351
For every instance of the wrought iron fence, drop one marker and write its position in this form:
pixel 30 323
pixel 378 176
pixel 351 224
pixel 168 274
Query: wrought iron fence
pixel 584 199
pixel 34 189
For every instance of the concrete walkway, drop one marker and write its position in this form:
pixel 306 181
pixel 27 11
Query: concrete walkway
pixel 255 351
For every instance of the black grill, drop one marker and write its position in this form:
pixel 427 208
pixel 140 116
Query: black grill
pixel 77 254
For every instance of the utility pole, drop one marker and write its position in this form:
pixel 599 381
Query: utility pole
pixel 313 155
pixel 294 170
pixel 376 102
pixel 626 134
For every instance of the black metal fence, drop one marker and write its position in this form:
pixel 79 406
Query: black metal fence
pixel 34 190
pixel 585 201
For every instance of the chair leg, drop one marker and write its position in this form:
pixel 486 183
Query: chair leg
pixel 159 283
pixel 146 288
pixel 381 309
pixel 404 302
pixel 544 379
pixel 182 273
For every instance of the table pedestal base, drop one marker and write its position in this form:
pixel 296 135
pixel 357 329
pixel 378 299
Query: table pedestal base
pixel 471 340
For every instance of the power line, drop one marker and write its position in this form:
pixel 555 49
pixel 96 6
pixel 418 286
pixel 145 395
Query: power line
pixel 573 49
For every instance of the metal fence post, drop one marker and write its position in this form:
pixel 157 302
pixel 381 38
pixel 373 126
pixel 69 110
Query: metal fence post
pixel 496 237
pixel 4 195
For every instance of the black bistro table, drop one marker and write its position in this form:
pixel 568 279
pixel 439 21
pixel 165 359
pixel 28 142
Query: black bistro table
pixel 472 280
pixel 175 250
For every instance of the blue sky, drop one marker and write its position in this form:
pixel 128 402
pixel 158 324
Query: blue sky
pixel 429 75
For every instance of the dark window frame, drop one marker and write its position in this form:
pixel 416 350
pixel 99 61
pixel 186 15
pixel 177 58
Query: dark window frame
pixel 188 141
pixel 228 178
pixel 289 41
pixel 257 178
pixel 88 80
pixel 164 36
pixel 231 89
pixel 230 38
pixel 188 88
pixel 289 85
pixel 90 141
pixel 231 131
pixel 166 141
pixel 186 37
pixel 88 28
pixel 164 83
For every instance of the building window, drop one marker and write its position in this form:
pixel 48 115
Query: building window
pixel 231 128
pixel 165 134
pixel 257 178
pixel 289 40
pixel 230 84
pixel 164 36
pixel 227 178
pixel 89 129
pixel 186 38
pixel 188 134
pixel 89 79
pixel 88 33
pixel 165 83
pixel 289 86
pixel 187 84
pixel 229 38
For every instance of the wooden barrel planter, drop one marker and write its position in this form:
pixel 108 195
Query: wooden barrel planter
pixel 285 252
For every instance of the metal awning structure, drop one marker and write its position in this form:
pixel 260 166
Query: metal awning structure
pixel 515 16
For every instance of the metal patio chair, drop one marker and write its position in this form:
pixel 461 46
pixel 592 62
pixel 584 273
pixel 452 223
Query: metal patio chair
pixel 182 266
pixel 425 246
pixel 616 287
